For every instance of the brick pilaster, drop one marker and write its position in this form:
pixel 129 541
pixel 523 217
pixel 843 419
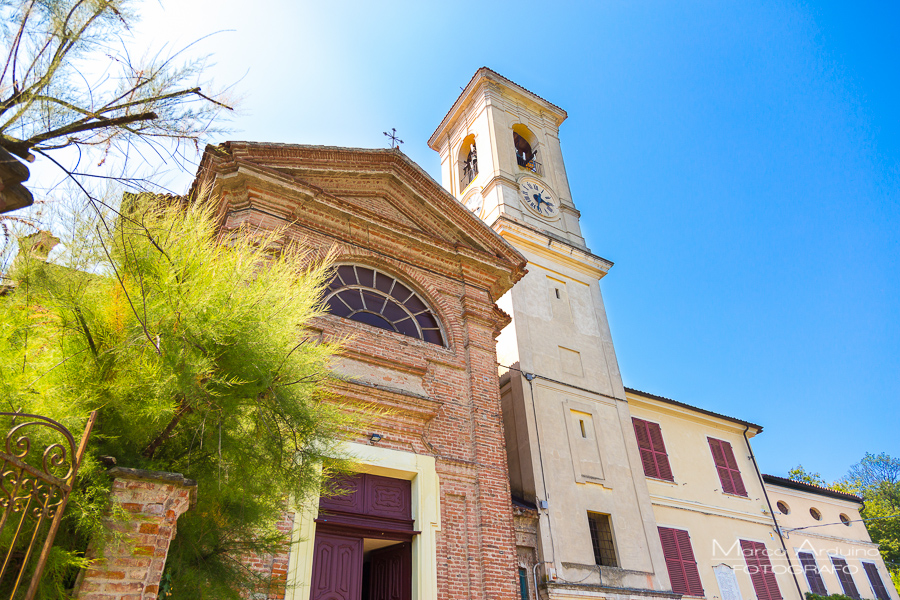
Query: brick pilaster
pixel 132 568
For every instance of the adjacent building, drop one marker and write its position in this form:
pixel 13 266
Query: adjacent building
pixel 828 541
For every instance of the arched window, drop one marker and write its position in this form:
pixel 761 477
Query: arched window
pixel 370 296
pixel 468 162
pixel 526 149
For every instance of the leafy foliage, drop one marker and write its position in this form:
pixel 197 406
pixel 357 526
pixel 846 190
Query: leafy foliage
pixel 192 347
pixel 877 479
pixel 69 79
pixel 800 474
pixel 811 596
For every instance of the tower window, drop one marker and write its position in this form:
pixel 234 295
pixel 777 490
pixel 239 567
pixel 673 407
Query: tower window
pixel 526 156
pixel 372 297
pixel 468 162
pixel 602 540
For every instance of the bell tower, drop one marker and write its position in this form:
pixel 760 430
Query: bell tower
pixel 497 138
pixel 570 442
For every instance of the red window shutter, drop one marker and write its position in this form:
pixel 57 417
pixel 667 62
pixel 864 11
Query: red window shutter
pixel 643 440
pixel 760 569
pixel 664 471
pixel 813 577
pixel 653 450
pixel 727 467
pixel 875 579
pixel 844 576
pixel 680 561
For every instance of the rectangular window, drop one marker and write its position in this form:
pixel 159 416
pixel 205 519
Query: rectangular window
pixel 842 570
pixel 653 451
pixel 726 465
pixel 813 577
pixel 875 579
pixel 760 569
pixel 680 561
pixel 602 540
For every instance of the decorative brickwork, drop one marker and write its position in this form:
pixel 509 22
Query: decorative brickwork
pixel 132 568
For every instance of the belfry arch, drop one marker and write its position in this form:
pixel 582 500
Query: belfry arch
pixel 468 162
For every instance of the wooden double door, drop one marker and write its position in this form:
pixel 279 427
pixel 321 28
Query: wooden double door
pixel 363 543
pixel 341 571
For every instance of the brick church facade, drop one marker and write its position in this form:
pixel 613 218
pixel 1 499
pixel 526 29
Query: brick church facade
pixel 435 485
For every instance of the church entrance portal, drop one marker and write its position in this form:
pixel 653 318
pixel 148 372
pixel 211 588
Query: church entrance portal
pixel 363 546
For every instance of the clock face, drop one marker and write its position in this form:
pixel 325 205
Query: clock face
pixel 536 197
pixel 475 202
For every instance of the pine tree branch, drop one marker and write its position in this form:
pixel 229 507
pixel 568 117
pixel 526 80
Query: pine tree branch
pixel 167 432
pixel 22 147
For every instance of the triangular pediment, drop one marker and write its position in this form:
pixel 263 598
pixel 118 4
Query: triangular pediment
pixel 383 186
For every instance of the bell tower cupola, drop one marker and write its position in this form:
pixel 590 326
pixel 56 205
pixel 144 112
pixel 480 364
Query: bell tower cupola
pixel 501 157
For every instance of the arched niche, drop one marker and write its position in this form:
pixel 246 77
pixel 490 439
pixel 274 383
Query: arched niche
pixel 467 161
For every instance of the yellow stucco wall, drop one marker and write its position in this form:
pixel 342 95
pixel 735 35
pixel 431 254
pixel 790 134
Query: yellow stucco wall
pixel 695 502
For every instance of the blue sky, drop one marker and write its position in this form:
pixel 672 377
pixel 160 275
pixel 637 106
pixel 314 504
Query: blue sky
pixel 738 161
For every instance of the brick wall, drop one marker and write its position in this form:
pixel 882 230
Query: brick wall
pixel 272 568
pixel 131 569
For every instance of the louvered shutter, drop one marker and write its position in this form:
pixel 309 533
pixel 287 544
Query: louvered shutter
pixel 680 561
pixel 673 560
pixel 727 467
pixel 737 483
pixel 653 450
pixel 844 576
pixel 813 578
pixel 875 579
pixel 663 470
pixel 643 440
pixel 760 569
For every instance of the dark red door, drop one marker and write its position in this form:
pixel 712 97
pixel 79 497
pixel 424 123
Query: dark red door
pixel 337 568
pixel 391 573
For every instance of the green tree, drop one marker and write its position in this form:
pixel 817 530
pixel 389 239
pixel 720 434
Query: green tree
pixel 799 473
pixel 191 345
pixel 70 80
pixel 876 478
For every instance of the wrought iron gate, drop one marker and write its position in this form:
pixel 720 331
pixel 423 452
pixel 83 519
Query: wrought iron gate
pixel 40 462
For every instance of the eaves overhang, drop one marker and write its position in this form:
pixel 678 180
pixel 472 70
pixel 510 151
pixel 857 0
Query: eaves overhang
pixel 809 488
pixel 486 74
pixel 757 428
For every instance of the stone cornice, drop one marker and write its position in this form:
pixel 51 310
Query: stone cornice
pixel 711 510
pixel 554 249
pixel 487 78
pixel 396 401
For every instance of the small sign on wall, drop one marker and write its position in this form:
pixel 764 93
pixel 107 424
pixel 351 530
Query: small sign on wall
pixel 728 585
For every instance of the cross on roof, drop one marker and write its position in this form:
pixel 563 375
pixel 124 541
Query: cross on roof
pixel 395 141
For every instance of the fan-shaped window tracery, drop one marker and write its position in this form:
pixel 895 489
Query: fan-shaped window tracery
pixel 370 296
